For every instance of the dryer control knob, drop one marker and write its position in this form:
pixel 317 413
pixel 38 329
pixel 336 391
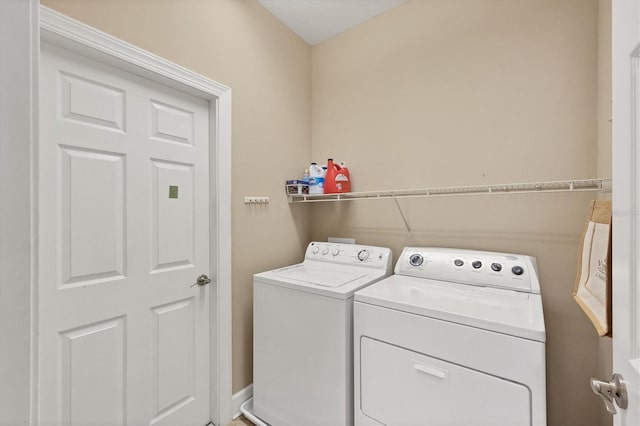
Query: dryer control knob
pixel 496 267
pixel 335 252
pixel 416 259
pixel 325 252
pixel 315 250
pixel 476 264
pixel 458 262
pixel 363 255
pixel 517 270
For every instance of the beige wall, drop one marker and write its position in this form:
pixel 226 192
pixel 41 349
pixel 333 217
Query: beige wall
pixel 441 93
pixel 238 43
pixel 604 88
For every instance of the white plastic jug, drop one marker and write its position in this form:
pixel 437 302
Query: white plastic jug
pixel 316 179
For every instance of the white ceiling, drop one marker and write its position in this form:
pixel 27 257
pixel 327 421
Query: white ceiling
pixel 317 20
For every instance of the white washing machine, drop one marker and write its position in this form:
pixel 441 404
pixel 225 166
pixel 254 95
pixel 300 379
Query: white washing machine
pixel 455 337
pixel 303 334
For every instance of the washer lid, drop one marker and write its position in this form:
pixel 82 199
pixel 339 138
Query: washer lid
pixel 504 311
pixel 320 274
pixel 338 281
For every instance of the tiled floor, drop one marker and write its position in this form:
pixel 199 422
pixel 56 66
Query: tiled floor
pixel 240 421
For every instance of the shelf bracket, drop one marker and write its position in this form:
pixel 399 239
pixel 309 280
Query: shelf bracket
pixel 404 219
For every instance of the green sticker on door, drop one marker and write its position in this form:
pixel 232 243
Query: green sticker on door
pixel 173 191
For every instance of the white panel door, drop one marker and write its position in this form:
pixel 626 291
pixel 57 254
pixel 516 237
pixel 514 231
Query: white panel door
pixel 123 182
pixel 626 205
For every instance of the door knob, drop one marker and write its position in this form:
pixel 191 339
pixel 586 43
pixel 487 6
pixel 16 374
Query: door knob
pixel 614 390
pixel 202 280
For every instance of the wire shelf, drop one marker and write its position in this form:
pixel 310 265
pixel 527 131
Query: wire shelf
pixel 579 185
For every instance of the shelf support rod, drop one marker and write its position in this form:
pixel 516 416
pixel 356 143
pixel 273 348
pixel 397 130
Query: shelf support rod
pixel 404 219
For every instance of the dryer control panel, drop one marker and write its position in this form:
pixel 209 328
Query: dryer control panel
pixel 350 254
pixel 481 268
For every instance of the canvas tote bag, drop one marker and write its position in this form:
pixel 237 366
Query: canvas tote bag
pixel 592 289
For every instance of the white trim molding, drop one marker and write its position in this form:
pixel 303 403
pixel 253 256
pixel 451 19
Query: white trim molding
pixel 634 283
pixel 240 398
pixel 625 54
pixel 19 52
pixel 63 31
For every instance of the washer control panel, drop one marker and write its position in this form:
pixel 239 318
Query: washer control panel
pixel 350 254
pixel 480 268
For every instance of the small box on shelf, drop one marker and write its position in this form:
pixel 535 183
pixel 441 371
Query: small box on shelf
pixel 296 186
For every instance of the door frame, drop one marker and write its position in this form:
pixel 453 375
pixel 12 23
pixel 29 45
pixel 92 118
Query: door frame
pixel 29 23
pixel 626 202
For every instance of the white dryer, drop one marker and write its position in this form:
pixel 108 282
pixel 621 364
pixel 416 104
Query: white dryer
pixel 303 334
pixel 455 337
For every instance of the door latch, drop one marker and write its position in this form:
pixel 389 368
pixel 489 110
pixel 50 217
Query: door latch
pixel 614 390
pixel 202 280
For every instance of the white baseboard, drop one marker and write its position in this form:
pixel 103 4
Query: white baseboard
pixel 239 398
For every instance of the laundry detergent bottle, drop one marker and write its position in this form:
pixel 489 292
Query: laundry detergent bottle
pixel 345 172
pixel 316 179
pixel 336 180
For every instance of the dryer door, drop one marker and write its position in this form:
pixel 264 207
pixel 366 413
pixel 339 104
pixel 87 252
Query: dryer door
pixel 401 387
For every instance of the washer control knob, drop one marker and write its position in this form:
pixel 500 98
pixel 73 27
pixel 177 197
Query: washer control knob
pixel 458 262
pixel 476 264
pixel 325 252
pixel 496 267
pixel 335 252
pixel 315 250
pixel 416 259
pixel 363 255
pixel 517 270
